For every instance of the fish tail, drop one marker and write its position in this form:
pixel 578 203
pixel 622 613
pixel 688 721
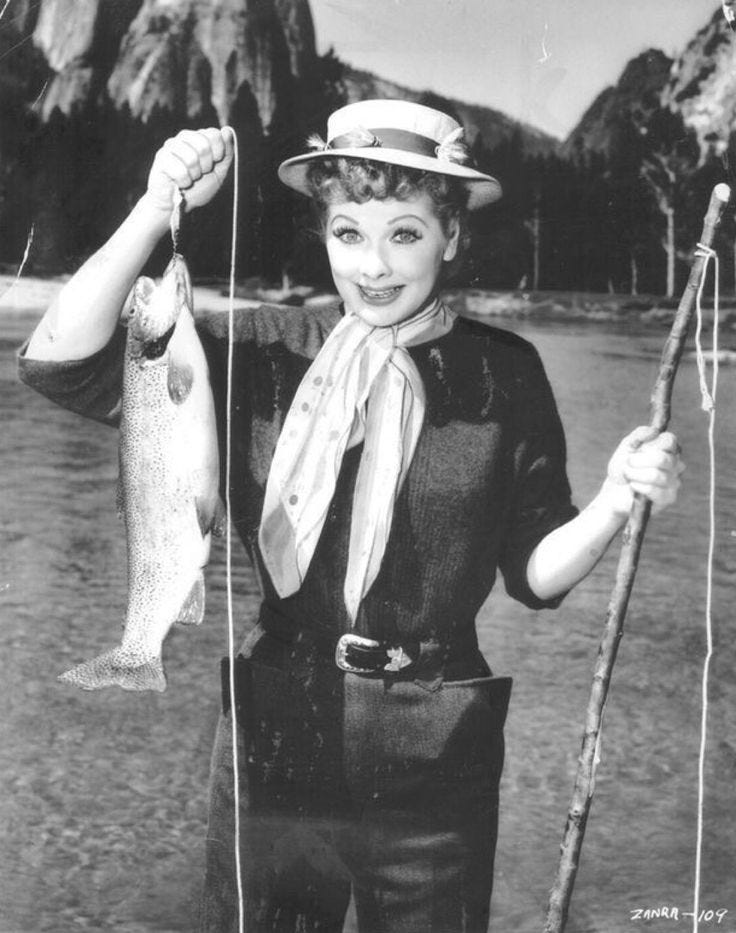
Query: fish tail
pixel 118 668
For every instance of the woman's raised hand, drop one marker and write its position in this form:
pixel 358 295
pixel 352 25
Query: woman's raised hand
pixel 647 463
pixel 194 161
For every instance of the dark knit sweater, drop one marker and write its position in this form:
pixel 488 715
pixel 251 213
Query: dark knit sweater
pixel 486 484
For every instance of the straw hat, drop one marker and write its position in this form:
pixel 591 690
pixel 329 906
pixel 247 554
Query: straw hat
pixel 399 132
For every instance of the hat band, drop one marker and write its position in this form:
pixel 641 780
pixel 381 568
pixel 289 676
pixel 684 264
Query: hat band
pixel 391 139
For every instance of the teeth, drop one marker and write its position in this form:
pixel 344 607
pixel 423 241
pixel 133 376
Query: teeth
pixel 376 294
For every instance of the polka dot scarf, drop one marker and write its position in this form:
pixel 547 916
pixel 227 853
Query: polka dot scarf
pixel 330 414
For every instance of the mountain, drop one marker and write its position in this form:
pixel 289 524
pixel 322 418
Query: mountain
pixel 702 85
pixel 194 58
pixel 637 94
pixel 492 125
pixel 186 57
pixel 89 89
pixel 698 86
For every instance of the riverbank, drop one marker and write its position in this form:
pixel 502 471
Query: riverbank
pixel 25 295
pixel 28 294
pixel 586 307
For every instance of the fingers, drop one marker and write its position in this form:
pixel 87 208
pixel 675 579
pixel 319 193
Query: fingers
pixel 189 155
pixel 667 441
pixel 650 464
pixel 660 496
pixel 641 435
pixel 194 161
pixel 656 460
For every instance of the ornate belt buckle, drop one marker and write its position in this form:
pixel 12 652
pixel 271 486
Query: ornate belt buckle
pixel 344 642
pixel 399 660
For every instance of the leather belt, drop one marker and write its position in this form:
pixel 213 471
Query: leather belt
pixel 360 655
pixel 357 654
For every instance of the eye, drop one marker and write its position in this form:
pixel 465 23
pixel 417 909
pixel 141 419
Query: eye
pixel 346 234
pixel 406 235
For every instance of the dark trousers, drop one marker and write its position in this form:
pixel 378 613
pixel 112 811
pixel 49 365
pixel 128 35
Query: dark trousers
pixel 350 783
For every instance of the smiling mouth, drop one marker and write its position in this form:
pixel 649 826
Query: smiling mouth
pixel 379 295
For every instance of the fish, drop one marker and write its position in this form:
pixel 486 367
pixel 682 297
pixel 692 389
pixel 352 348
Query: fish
pixel 168 486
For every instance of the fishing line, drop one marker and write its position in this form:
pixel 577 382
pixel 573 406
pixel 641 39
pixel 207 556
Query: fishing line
pixel 708 396
pixel 175 222
pixel 228 531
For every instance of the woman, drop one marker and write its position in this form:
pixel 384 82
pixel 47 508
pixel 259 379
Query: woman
pixel 388 458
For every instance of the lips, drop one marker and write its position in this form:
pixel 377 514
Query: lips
pixel 379 295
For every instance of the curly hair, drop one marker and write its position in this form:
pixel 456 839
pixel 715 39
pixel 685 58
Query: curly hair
pixel 357 179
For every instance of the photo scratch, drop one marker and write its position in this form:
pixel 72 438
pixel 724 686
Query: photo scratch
pixel 17 44
pixel 40 95
pixel 545 54
pixel 22 262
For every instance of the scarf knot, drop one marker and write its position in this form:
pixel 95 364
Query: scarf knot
pixel 331 413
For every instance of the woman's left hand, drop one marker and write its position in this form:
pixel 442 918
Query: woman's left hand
pixel 644 462
pixel 647 463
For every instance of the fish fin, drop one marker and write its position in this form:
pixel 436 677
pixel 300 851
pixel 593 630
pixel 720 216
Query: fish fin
pixel 184 292
pixel 117 668
pixel 180 381
pixel 211 520
pixel 192 610
pixel 218 526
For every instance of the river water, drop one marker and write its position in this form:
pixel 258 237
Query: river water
pixel 103 803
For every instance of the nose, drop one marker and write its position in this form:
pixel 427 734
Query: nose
pixel 374 262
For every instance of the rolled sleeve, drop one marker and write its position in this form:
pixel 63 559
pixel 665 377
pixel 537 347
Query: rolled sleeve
pixel 91 387
pixel 542 497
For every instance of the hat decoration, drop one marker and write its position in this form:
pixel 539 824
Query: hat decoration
pixel 452 148
pixel 396 132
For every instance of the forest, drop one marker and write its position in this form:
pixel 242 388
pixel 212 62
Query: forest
pixel 623 220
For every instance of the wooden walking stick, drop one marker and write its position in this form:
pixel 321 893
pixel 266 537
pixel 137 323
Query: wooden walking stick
pixel 633 537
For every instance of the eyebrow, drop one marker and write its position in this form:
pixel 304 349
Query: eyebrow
pixel 408 217
pixel 394 220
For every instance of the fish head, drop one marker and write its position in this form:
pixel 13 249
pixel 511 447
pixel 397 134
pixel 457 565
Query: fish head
pixel 155 309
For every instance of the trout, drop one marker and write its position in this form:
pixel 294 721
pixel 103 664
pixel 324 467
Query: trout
pixel 168 484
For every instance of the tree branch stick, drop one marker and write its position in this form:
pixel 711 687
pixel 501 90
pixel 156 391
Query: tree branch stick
pixel 633 536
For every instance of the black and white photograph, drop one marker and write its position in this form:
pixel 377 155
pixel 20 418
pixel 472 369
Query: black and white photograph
pixel 367 498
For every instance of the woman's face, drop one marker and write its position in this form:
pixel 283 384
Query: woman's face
pixel 386 256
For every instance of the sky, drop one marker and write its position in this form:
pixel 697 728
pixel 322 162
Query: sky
pixel 539 61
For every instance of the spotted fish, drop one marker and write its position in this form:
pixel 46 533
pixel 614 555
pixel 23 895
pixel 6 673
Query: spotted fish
pixel 168 485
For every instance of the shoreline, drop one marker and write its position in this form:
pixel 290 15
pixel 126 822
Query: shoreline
pixel 29 296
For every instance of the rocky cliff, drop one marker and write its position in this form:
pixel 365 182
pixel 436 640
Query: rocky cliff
pixel 702 84
pixel 185 57
pixel 636 96
pixel 199 58
pixel 698 86
pixel 79 42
